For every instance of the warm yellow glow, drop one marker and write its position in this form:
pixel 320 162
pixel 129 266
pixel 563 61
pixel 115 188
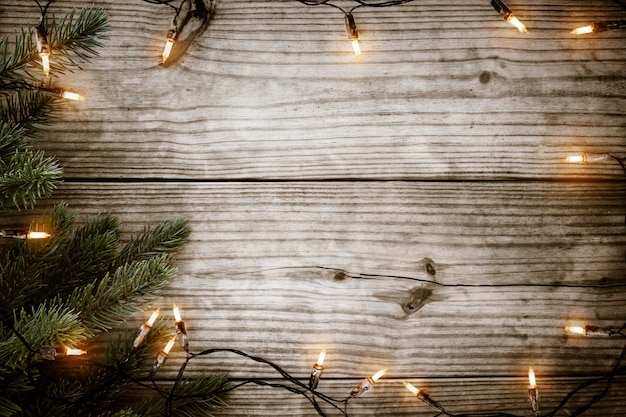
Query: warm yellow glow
pixel 531 378
pixel 583 30
pixel 168 49
pixel 321 357
pixel 176 313
pixel 575 329
pixel 378 374
pixel 72 96
pixel 153 317
pixel 45 63
pixel 357 49
pixel 74 352
pixel 38 235
pixel 515 22
pixel 575 158
pixel 411 388
pixel 169 345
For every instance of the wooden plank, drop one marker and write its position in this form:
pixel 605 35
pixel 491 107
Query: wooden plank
pixel 281 270
pixel 389 398
pixel 457 396
pixel 271 91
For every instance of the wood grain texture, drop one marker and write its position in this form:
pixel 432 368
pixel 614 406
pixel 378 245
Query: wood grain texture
pixel 271 91
pixel 424 279
pixel 411 211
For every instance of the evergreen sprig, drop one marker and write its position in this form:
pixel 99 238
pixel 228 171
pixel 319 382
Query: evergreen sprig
pixel 26 177
pixel 73 41
pixel 192 397
pixel 102 283
pixel 27 109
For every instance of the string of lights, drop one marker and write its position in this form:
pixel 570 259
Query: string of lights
pixel 193 6
pixel 318 400
pixel 184 13
pixel 350 24
pixel 43 47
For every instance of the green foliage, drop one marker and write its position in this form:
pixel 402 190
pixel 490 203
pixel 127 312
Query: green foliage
pixel 66 290
pixel 27 109
pixel 71 289
pixel 73 41
pixel 74 38
pixel 191 398
pixel 26 177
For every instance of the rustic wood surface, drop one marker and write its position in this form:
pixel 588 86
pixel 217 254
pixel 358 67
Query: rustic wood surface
pixel 412 211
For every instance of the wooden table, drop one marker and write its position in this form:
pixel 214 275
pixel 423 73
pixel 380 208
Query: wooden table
pixel 412 211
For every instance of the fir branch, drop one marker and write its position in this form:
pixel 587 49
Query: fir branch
pixel 7 407
pixel 166 238
pixel 27 109
pixel 122 413
pixel 13 63
pixel 83 258
pixel 16 286
pixel 74 41
pixel 12 139
pixel 51 324
pixel 26 177
pixel 193 397
pixel 108 302
pixel 27 267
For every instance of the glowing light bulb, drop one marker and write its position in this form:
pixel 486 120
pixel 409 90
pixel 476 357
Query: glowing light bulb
pixel 411 388
pixel 168 49
pixel 172 34
pixel 45 63
pixel 575 158
pixel 59 92
pixel 176 311
pixel 51 352
pixel 23 234
pixel 516 22
pixel 169 346
pixel 378 375
pixel 575 329
pixel 424 397
pixel 507 15
pixel 353 35
pixel 600 27
pixel 74 352
pixel 145 328
pixel 318 368
pixel 531 378
pixel 72 96
pixel 43 48
pixel 582 30
pixel 162 356
pixel 587 157
pixel 589 330
pixel 181 329
pixel 153 317
pixel 38 235
pixel 356 48
pixel 367 384
pixel 533 391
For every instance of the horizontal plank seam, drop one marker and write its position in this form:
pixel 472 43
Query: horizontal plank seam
pixel 108 180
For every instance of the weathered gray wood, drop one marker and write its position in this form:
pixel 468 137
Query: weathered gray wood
pixel 459 284
pixel 390 398
pixel 415 277
pixel 271 91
